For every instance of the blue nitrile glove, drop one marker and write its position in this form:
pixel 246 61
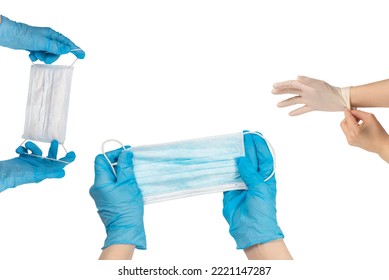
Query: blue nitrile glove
pixel 43 43
pixel 119 200
pixel 251 213
pixel 28 168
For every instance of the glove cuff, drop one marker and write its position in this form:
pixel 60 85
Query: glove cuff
pixel 127 235
pixel 256 233
pixel 345 94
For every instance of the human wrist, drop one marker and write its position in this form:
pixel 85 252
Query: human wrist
pixel 131 234
pixel 272 250
pixel 383 151
pixel 118 252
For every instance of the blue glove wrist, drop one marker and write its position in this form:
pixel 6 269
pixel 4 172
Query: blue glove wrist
pixel 134 235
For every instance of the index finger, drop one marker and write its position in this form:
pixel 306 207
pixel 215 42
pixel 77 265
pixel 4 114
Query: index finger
pixel 257 150
pixel 290 84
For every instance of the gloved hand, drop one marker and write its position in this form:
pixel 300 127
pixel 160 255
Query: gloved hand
pixel 43 43
pixel 251 213
pixel 316 95
pixel 28 168
pixel 119 200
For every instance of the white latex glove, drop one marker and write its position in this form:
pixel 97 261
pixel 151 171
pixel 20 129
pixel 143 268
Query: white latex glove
pixel 316 95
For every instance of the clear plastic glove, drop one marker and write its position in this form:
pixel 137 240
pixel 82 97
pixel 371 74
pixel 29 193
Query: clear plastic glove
pixel 119 200
pixel 251 213
pixel 316 95
pixel 28 168
pixel 43 43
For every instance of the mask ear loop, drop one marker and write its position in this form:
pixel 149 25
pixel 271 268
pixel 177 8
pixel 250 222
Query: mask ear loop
pixel 52 159
pixel 272 151
pixel 104 154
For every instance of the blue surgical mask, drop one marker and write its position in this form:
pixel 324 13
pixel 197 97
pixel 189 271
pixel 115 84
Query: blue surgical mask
pixel 187 168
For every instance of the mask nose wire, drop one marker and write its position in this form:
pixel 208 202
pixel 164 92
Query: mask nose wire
pixel 272 151
pixel 112 164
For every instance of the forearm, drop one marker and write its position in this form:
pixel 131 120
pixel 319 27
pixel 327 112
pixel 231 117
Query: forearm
pixel 384 151
pixel 118 252
pixel 273 250
pixel 370 95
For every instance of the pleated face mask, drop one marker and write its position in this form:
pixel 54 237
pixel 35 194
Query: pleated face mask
pixel 187 168
pixel 48 103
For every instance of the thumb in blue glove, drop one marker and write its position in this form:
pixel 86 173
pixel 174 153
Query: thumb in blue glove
pixel 119 200
pixel 43 43
pixel 31 167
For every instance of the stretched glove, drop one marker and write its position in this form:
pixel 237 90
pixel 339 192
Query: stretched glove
pixel 119 200
pixel 251 213
pixel 43 43
pixel 28 168
pixel 316 95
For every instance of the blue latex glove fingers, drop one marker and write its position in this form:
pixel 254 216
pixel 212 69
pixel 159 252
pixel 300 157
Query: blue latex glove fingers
pixel 229 196
pixel 27 168
pixel 258 152
pixel 69 157
pixel 53 151
pixel 265 158
pixel 250 149
pixel 103 170
pixel 124 169
pixel 255 182
pixel 79 53
pixel 47 58
pixel 29 146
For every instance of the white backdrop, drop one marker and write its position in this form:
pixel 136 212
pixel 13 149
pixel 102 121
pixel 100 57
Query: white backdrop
pixel 158 71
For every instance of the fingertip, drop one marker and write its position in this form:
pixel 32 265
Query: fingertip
pixel 57 175
pixel 21 150
pixel 125 158
pixel 33 148
pixel 100 159
pixel 32 57
pixel 53 151
pixel 80 54
pixel 70 157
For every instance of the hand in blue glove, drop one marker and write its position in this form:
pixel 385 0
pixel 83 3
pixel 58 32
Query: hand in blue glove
pixel 43 43
pixel 119 200
pixel 32 168
pixel 251 213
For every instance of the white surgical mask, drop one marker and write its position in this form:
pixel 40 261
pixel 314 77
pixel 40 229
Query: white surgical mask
pixel 187 168
pixel 48 103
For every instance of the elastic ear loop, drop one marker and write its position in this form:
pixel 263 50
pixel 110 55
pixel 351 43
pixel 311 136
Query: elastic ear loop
pixel 272 151
pixel 52 159
pixel 104 154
